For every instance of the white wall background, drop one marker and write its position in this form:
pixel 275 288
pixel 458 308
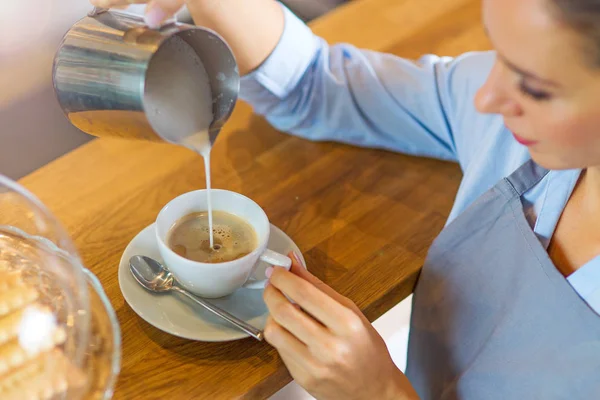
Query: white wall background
pixel 33 129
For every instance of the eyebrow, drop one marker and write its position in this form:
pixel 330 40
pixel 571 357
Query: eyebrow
pixel 526 74
pixel 520 71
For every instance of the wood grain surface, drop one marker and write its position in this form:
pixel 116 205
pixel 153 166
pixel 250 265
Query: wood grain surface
pixel 363 218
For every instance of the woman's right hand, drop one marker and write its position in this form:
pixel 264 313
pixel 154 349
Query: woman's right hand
pixel 251 27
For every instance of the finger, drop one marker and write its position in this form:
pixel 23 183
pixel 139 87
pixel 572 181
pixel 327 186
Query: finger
pixel 293 319
pixel 103 3
pixel 306 374
pixel 160 10
pixel 289 347
pixel 299 270
pixel 295 355
pixel 116 3
pixel 321 306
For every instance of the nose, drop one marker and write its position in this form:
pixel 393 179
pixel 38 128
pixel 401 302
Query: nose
pixel 494 96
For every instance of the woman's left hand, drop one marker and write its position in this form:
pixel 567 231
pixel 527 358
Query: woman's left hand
pixel 327 344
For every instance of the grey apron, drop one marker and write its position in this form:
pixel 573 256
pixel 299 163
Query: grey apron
pixel 492 316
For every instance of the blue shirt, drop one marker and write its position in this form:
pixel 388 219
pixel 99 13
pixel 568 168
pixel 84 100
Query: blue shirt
pixel 360 97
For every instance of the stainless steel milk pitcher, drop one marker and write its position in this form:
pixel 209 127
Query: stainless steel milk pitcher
pixel 114 76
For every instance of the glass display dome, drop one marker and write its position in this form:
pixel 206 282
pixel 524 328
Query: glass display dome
pixel 59 335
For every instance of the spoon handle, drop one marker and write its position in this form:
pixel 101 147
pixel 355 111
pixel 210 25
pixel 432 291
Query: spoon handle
pixel 249 329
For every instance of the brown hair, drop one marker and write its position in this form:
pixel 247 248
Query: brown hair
pixel 583 16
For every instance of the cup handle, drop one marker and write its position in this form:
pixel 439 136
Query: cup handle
pixel 273 258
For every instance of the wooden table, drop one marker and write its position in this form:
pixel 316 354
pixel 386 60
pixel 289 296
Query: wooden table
pixel 363 218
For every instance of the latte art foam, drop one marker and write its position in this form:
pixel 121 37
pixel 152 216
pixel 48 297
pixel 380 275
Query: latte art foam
pixel 233 237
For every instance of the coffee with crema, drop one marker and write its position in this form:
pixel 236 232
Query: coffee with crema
pixel 233 237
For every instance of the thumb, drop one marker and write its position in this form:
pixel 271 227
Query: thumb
pixel 299 270
pixel 298 267
pixel 160 10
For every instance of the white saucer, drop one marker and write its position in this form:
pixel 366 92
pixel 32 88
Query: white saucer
pixel 178 316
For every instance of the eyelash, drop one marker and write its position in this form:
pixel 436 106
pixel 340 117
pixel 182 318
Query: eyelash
pixel 534 94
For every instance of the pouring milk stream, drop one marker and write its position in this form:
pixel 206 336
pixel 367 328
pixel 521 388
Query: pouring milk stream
pixel 188 81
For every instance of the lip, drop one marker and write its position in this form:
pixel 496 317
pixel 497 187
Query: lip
pixel 523 141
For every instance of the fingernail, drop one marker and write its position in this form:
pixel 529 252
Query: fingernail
pixel 269 272
pixel 154 17
pixel 297 258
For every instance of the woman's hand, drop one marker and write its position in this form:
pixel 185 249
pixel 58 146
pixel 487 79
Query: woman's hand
pixel 251 27
pixel 327 344
pixel 157 10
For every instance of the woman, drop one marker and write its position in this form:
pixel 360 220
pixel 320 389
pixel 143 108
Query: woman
pixel 508 303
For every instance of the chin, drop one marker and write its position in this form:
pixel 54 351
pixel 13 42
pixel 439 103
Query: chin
pixel 555 162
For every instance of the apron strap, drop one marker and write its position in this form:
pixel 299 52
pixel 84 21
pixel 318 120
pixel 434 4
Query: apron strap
pixel 526 176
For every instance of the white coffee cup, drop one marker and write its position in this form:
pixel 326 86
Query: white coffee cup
pixel 217 279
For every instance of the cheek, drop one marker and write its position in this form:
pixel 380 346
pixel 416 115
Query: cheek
pixel 569 131
pixel 565 141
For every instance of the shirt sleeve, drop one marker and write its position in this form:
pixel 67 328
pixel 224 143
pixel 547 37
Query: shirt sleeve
pixel 341 93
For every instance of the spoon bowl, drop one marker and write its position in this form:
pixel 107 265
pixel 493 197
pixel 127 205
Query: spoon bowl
pixel 156 278
pixel 151 274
